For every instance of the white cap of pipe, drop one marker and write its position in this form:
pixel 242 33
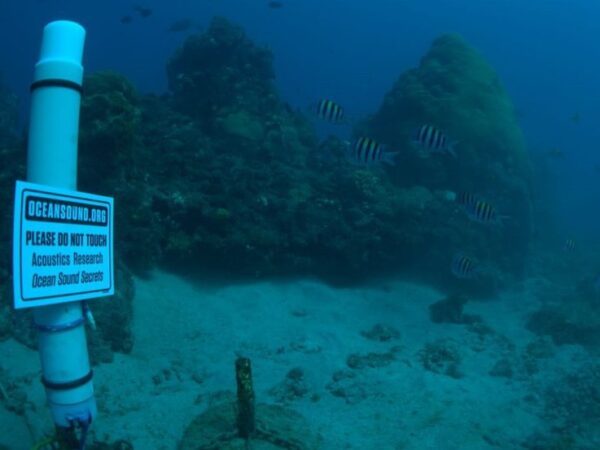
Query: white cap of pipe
pixel 62 52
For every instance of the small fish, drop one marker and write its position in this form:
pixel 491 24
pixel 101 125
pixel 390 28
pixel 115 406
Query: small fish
pixel 569 245
pixel 142 11
pixel 463 266
pixel 330 111
pixel 368 151
pixel 483 212
pixel 466 199
pixel 274 4
pixel 126 20
pixel 181 25
pixel 576 118
pixel 430 138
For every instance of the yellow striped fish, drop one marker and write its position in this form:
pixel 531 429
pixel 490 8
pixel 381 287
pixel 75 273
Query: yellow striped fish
pixel 463 266
pixel 330 111
pixel 482 212
pixel 368 151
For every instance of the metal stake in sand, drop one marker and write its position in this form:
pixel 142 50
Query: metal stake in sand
pixel 52 161
pixel 246 420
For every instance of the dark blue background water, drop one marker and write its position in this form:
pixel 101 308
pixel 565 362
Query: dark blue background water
pixel 545 51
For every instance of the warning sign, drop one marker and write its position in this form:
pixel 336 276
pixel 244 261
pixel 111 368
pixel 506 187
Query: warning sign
pixel 62 246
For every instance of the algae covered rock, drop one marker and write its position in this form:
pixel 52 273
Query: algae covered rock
pixel 224 82
pixel 448 310
pixel 276 427
pixel 226 156
pixel 220 174
pixel 12 168
pixel 221 68
pixel 441 357
pixel 243 125
pixel 109 122
pixel 457 91
pixel 112 163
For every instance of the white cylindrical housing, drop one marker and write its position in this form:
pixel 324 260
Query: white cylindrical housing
pixel 52 160
pixel 54 124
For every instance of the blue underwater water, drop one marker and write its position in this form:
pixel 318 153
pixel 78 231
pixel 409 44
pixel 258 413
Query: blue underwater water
pixel 391 207
pixel 544 51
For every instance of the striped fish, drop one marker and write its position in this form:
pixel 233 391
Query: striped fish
pixel 330 111
pixel 466 199
pixel 433 140
pixel 368 151
pixel 569 245
pixel 482 212
pixel 463 266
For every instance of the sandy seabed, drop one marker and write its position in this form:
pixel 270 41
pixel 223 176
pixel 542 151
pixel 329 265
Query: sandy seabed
pixel 187 337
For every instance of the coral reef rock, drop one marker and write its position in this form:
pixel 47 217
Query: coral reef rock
pixel 457 91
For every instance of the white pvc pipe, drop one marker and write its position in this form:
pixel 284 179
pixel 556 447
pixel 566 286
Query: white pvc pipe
pixel 52 160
